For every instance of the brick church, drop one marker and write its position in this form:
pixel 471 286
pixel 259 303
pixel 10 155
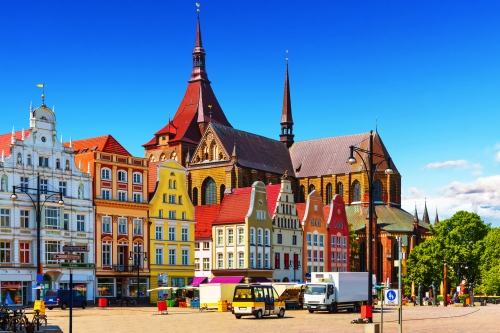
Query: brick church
pixel 220 158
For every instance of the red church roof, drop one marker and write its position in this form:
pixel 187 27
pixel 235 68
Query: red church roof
pixel 204 217
pixel 5 140
pixel 105 143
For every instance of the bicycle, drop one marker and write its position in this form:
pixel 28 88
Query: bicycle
pixel 4 317
pixel 39 322
pixel 18 322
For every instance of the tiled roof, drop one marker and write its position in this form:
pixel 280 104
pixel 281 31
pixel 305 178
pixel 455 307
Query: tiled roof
pixel 5 140
pixel 301 210
pixel 255 151
pixel 152 177
pixel 204 216
pixel 388 218
pixel 105 143
pixel 328 156
pixel 272 193
pixel 234 208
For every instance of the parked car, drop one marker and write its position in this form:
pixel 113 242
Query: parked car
pixel 55 298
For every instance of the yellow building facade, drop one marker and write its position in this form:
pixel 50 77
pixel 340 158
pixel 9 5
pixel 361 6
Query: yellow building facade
pixel 172 229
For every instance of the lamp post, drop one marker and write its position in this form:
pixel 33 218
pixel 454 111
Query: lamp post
pixel 295 265
pixel 371 169
pixel 38 208
pixel 138 255
pixel 400 293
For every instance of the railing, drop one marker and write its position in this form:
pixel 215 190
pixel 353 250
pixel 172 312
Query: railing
pixel 124 268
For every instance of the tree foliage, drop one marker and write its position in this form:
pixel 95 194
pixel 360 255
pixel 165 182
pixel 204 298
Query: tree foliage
pixel 354 248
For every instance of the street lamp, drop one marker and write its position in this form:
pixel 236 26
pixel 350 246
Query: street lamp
pixel 371 169
pixel 295 265
pixel 138 255
pixel 38 207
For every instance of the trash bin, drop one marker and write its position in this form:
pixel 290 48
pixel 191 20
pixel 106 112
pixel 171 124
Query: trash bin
pixel 162 307
pixel 102 302
pixel 366 311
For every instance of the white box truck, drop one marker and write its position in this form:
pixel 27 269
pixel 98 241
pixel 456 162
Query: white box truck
pixel 212 293
pixel 333 291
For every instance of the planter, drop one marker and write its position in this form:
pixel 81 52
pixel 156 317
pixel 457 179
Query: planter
pixel 442 303
pixel 478 304
pixel 410 304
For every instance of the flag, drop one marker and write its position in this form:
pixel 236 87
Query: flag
pixel 40 85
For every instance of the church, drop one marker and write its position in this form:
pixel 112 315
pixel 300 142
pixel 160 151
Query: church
pixel 220 159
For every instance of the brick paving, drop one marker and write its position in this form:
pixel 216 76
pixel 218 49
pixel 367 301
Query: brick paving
pixel 145 319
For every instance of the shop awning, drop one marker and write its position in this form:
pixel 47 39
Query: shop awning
pixel 227 279
pixel 197 280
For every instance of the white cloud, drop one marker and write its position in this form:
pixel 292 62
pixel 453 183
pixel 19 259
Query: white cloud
pixel 476 172
pixel 458 164
pixel 498 157
pixel 414 193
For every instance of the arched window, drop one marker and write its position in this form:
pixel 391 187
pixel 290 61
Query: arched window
pixel 195 196
pixel 67 165
pixel 311 188
pixel 58 164
pixel 173 156
pixel 329 193
pixel 175 184
pixel 29 160
pixel 170 183
pixel 393 191
pixel 356 191
pixel 137 178
pixel 222 190
pixel 208 192
pixel 339 189
pixel 122 176
pixel 105 173
pixel 377 190
pixel 162 157
pixel 302 193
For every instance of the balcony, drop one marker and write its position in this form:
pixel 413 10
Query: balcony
pixel 124 268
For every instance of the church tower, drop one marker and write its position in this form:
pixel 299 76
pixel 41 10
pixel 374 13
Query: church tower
pixel 286 136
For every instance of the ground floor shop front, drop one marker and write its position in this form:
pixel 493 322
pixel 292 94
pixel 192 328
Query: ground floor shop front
pixel 178 280
pixel 117 288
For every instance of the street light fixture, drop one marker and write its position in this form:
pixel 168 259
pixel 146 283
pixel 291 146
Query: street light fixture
pixel 371 169
pixel 139 254
pixel 38 207
pixel 295 265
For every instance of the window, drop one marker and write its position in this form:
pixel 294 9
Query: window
pixel 321 243
pixel 252 236
pixel 66 221
pixel 333 241
pixel 259 237
pixel 67 165
pixel 29 160
pixel 241 260
pixel 158 232
pixel 105 194
pixel 106 254
pixel 315 255
pixel 122 176
pixel 160 213
pixel 309 236
pixel 183 216
pixel 315 238
pixel 80 223
pixel 266 237
pixel 280 239
pixel 62 188
pixel 196 246
pixel 164 198
pixel 266 260
pixel 44 186
pixel 19 158
pixel 52 216
pixel 122 196
pixel 159 255
pixel 277 260
pixel 252 265
pixel 340 189
pixel 344 242
pixel 195 196
pixel 24 184
pixel 377 190
pixel 197 264
pixel 171 214
pixel 25 218
pixel 106 224
pixel 122 225
pixel 24 253
pixel 220 238
pixel 308 255
pixel 220 260
pixel 321 259
pixel 356 191
pixel 208 191
pixel 333 256
pixel 43 161
pixel 241 235
pixel 51 248
pixel 137 227
pixel 106 174
pixel 170 183
pixel 137 178
pixel 180 200
pixel 206 264
pixel 171 256
pixel 259 260
pixel 230 236
pixel 338 241
pixel 294 240
pixel 5 256
pixel 206 246
pixel 171 198
pixel 171 233
pixel 184 234
pixel 230 260
pixel 329 193
pixel 286 261
pixel 344 257
pixel 175 184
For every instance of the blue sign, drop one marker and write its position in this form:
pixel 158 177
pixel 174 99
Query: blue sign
pixel 39 278
pixel 391 295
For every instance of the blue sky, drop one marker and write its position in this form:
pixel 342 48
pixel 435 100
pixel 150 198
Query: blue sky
pixel 429 71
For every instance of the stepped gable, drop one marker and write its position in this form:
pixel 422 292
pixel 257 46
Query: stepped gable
pixel 106 144
pixel 255 151
pixel 204 217
pixel 272 193
pixel 234 208
pixel 328 156
pixel 6 140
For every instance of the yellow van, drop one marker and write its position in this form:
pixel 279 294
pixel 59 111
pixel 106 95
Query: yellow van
pixel 257 300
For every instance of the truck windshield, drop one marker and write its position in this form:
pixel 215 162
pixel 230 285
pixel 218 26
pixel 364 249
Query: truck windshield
pixel 315 289
pixel 243 295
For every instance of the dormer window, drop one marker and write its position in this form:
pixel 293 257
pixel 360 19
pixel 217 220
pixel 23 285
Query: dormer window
pixel 84 150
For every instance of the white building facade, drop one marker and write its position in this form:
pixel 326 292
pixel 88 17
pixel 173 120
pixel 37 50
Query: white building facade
pixel 29 157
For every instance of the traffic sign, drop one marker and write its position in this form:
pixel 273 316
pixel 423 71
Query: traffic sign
pixel 77 265
pixel 68 248
pixel 65 256
pixel 391 297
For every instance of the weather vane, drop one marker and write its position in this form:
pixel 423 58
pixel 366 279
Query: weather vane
pixel 198 7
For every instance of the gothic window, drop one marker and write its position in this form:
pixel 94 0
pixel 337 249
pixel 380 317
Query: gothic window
pixel 340 189
pixel 206 155
pixel 377 190
pixel 173 156
pixel 311 188
pixel 393 191
pixel 195 196
pixel 302 194
pixel 356 191
pixel 151 158
pixel 162 157
pixel 222 190
pixel 328 193
pixel 208 192
pixel 221 156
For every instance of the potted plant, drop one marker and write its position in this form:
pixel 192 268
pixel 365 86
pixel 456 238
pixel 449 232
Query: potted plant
pixel 440 299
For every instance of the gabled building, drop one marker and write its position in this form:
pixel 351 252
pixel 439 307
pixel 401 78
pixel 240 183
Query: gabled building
pixel 29 159
pixel 203 246
pixel 338 235
pixel 172 229
pixel 121 215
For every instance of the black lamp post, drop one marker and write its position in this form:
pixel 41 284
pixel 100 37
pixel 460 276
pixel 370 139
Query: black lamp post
pixel 295 265
pixel 139 254
pixel 371 169
pixel 38 207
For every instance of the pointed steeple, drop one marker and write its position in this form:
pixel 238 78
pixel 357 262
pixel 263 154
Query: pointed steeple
pixel 198 72
pixel 436 220
pixel 188 158
pixel 286 135
pixel 234 156
pixel 425 218
pixel 415 216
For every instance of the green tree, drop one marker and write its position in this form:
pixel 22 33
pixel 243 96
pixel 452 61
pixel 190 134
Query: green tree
pixel 491 251
pixel 354 248
pixel 491 281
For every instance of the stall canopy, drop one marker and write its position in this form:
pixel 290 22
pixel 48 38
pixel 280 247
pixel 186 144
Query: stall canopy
pixel 227 279
pixel 197 280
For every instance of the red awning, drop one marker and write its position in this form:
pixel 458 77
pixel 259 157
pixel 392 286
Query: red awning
pixel 227 279
pixel 197 280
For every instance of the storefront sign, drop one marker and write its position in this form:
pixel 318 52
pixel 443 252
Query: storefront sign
pixel 65 256
pixel 77 265
pixel 68 248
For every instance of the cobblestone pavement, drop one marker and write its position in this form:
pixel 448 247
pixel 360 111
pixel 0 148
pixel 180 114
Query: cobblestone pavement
pixel 145 319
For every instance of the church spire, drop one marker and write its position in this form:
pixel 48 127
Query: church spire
pixel 436 220
pixel 425 218
pixel 198 72
pixel 286 135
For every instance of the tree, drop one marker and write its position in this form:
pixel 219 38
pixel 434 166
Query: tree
pixel 424 265
pixel 354 248
pixel 491 281
pixel 491 254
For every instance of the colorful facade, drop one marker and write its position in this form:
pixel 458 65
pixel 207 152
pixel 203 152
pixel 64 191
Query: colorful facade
pixel 203 247
pixel 338 235
pixel 172 229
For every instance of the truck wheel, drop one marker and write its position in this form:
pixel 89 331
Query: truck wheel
pixel 281 314
pixel 64 306
pixel 259 315
pixel 84 305
pixel 50 307
pixel 238 316
pixel 332 308
pixel 310 311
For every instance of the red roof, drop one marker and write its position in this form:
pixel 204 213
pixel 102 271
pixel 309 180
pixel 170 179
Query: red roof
pixel 204 217
pixel 5 140
pixel 234 208
pixel 301 210
pixel 272 192
pixel 105 143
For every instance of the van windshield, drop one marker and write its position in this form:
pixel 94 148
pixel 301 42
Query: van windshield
pixel 243 295
pixel 315 289
pixel 51 293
